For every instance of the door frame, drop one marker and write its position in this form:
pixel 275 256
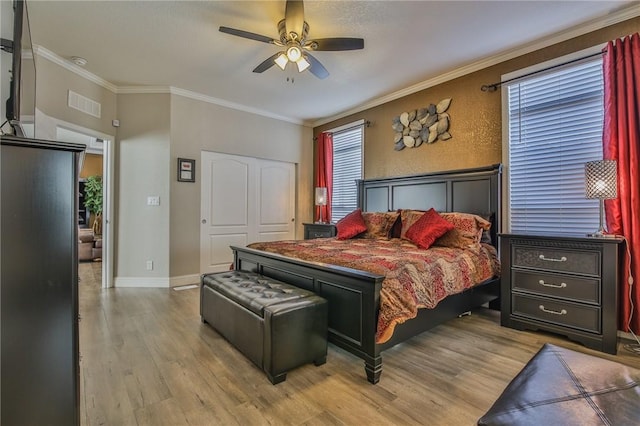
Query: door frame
pixel 47 129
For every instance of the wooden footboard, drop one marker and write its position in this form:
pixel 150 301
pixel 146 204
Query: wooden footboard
pixel 353 296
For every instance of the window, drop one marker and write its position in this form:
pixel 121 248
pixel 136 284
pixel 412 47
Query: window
pixel 554 127
pixel 347 168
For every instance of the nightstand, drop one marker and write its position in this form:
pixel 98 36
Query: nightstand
pixel 319 230
pixel 562 284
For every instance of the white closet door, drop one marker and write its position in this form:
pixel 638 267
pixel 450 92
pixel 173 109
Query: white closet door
pixel 276 201
pixel 243 199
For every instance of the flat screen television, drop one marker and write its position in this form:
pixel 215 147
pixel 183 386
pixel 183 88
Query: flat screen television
pixel 20 105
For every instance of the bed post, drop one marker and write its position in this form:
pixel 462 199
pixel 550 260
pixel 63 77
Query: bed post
pixel 373 367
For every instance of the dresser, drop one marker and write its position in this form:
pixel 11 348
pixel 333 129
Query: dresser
pixel 39 282
pixel 319 230
pixel 562 284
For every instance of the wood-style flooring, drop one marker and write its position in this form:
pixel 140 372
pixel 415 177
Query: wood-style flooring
pixel 146 359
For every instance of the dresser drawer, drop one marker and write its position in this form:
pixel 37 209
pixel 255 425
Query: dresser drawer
pixel 319 234
pixel 564 314
pixel 319 230
pixel 557 259
pixel 556 285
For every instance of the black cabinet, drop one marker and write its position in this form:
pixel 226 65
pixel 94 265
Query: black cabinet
pixel 319 230
pixel 562 284
pixel 39 282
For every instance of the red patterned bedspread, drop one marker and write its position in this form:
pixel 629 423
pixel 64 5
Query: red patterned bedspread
pixel 414 278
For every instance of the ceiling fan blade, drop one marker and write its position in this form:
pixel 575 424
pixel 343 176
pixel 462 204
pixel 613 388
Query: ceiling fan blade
pixel 247 34
pixel 316 67
pixel 294 17
pixel 267 63
pixel 336 43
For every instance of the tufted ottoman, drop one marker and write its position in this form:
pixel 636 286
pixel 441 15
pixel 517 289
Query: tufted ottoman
pixel 276 325
pixel 559 386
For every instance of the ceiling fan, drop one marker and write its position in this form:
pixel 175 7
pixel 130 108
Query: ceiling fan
pixel 293 31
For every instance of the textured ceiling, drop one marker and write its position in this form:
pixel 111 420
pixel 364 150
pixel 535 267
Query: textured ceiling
pixel 177 43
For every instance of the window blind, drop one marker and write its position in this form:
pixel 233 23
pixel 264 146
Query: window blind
pixel 347 168
pixel 555 127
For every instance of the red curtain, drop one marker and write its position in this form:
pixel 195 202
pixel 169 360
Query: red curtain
pixel 621 142
pixel 324 173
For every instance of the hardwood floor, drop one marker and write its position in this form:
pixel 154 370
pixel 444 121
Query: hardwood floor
pixel 146 359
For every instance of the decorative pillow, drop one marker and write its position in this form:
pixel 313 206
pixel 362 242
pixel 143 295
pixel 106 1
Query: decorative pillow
pixel 467 231
pixel 379 224
pixel 408 218
pixel 351 225
pixel 427 229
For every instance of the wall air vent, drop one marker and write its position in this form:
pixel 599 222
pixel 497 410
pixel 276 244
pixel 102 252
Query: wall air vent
pixel 84 104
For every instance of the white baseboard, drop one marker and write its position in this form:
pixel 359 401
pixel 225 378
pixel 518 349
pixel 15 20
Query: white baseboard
pixel 184 280
pixel 141 282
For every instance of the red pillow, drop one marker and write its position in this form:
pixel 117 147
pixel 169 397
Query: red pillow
pixel 351 225
pixel 428 228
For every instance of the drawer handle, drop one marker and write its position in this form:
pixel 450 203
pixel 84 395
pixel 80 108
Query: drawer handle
pixel 550 259
pixel 561 285
pixel 549 311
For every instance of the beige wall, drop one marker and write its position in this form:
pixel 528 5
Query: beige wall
pixel 91 166
pixel 156 129
pixel 476 124
pixel 198 126
pixel 142 169
pixel 52 87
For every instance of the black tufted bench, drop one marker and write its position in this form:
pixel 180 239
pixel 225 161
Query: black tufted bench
pixel 276 325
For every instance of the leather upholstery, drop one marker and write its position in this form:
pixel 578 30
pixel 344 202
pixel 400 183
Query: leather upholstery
pixel 564 387
pixel 252 291
pixel 276 325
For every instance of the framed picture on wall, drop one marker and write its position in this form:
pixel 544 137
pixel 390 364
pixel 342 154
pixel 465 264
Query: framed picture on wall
pixel 186 170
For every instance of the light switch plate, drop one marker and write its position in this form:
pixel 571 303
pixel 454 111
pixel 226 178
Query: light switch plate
pixel 153 200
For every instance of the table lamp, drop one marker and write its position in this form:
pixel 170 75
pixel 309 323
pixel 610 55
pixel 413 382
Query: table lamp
pixel 600 182
pixel 321 200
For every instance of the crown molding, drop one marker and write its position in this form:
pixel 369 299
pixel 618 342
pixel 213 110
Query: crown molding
pixel 232 105
pixel 611 19
pixel 203 98
pixel 137 90
pixel 70 66
pixel 594 25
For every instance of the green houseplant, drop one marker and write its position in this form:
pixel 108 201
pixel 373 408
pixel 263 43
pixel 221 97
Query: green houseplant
pixel 93 201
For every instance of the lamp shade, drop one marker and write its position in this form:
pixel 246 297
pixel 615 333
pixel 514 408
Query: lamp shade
pixel 600 179
pixel 321 196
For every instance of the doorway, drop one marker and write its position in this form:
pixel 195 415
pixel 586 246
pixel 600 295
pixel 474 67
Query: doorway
pixel 97 161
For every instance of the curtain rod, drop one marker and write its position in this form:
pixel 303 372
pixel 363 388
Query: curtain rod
pixel 365 123
pixel 493 87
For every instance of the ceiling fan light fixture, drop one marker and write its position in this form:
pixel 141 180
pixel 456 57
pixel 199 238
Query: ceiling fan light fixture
pixel 282 61
pixel 302 64
pixel 294 53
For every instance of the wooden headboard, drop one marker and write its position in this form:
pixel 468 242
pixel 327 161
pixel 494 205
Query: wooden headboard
pixel 470 191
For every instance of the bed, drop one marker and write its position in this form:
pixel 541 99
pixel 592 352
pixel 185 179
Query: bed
pixel 354 295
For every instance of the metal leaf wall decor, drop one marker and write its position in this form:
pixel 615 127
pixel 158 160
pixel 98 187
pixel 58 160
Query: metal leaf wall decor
pixel 424 125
